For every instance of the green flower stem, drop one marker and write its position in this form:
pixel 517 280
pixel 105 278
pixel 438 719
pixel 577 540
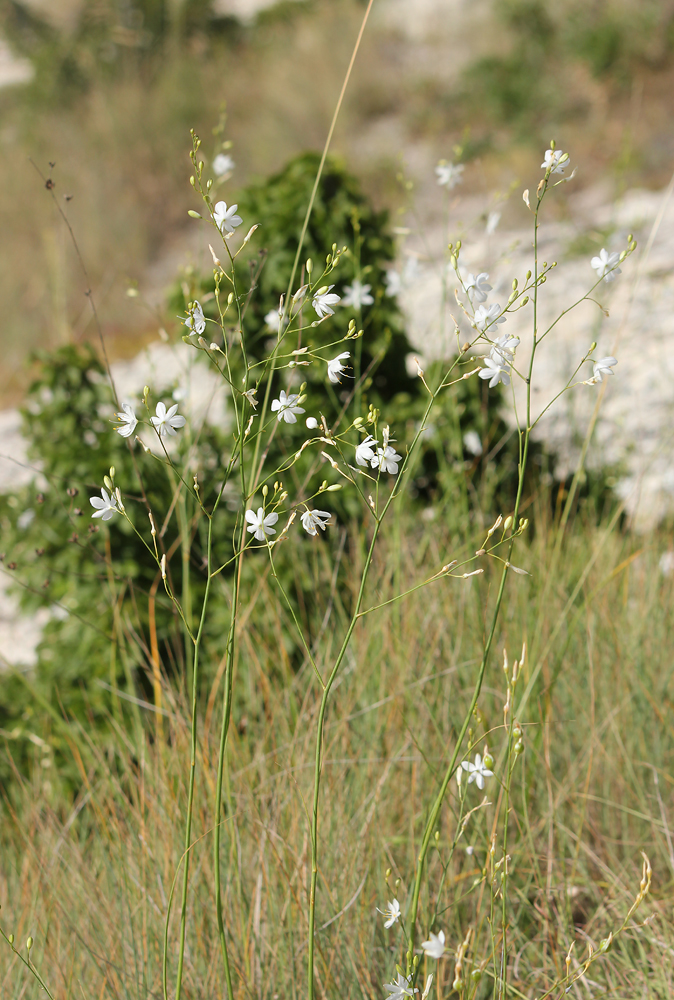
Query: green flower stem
pixel 524 454
pixel 193 756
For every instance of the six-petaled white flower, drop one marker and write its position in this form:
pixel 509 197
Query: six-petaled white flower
pixel 335 367
pixel 286 407
pixel 324 300
pixel 392 913
pixel 105 507
pixel 477 287
pixel 435 946
pixel 223 164
pixel 496 371
pixel 606 265
pixel 226 219
pixel 386 460
pixel 357 295
pixel 364 451
pixel 127 421
pixel 504 348
pixel 486 316
pixel 311 423
pixel 551 161
pixel 259 525
pixel 196 321
pixel 167 421
pixel 400 989
pixel 449 174
pixel 602 367
pixel 477 772
pixel 314 519
pixel 273 319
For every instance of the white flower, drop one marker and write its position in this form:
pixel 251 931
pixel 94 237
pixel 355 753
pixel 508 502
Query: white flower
pixel 551 161
pixel 394 283
pixel 400 989
pixel 504 348
pixel 435 946
pixel 365 451
pixel 196 321
pixel 477 772
pixel 259 525
pixel 335 367
pixel 311 423
pixel 106 507
pixel 323 301
pixel 313 519
pixel 493 220
pixel 167 421
pixel 486 316
pixel 472 442
pixel 477 287
pixel 392 913
pixel 600 368
pixel 605 265
pixel 495 371
pixel 357 295
pixel 387 460
pixel 226 219
pixel 223 164
pixel 272 319
pixel 287 407
pixel 448 174
pixel 127 421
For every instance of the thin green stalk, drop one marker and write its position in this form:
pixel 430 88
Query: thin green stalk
pixel 190 794
pixel 437 805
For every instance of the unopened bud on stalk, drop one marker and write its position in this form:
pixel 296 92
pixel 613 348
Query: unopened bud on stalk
pixel 388 872
pixel 415 961
pixel 146 392
pixel 10 938
pixel 163 567
pixel 193 215
pixel 514 284
pixel 512 296
pixel 508 521
pixel 630 237
pixel 192 181
pixel 106 482
pixel 397 882
pixel 358 422
pixel 437 836
pixel 29 944
pixel 309 265
pixel 453 261
pixel 265 490
pixel 323 486
pixel 334 488
pixel 525 300
pixel 458 244
pixel 527 275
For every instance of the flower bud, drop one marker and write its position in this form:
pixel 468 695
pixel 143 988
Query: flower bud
pixel 334 488
pixel 193 215
pixel 593 346
pixel 309 265
pixel 527 275
pixel 388 872
pixel 106 482
pixel 265 490
pixel 29 944
pixel 358 422
pixel 323 486
pixel 508 521
pixel 10 938
pixel 192 181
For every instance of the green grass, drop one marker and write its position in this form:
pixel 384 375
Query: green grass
pixel 89 878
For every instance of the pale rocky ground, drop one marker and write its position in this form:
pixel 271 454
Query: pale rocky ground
pixel 634 431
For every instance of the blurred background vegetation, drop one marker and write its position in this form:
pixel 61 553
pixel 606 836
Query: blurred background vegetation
pixel 117 85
